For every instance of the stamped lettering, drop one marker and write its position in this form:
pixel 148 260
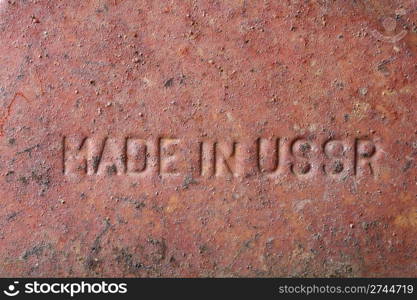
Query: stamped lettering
pixel 273 157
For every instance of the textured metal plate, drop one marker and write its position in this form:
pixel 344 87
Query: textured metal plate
pixel 208 138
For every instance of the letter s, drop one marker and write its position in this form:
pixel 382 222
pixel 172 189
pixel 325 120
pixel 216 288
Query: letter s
pixel 29 288
pixel 123 288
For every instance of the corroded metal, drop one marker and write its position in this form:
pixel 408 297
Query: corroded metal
pixel 208 138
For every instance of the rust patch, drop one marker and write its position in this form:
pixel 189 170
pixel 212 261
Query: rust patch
pixel 208 138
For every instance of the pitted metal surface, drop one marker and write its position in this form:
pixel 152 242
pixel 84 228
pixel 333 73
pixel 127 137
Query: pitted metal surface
pixel 208 138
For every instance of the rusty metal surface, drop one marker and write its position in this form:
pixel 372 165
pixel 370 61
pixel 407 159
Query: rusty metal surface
pixel 208 138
